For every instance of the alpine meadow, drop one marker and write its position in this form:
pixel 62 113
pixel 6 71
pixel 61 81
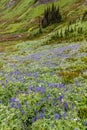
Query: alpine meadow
pixel 43 64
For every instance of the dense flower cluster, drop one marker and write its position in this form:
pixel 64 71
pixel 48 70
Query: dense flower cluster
pixel 34 87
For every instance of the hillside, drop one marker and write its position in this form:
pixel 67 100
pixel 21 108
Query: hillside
pixel 43 65
pixel 20 19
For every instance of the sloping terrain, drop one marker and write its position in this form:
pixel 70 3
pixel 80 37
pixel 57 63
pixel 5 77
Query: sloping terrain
pixel 43 87
pixel 22 17
pixel 43 71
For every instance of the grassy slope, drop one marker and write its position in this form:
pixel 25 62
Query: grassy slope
pixel 22 17
pixel 30 72
pixel 61 69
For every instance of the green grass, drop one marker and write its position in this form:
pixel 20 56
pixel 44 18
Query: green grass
pixel 21 17
pixel 43 76
pixel 50 67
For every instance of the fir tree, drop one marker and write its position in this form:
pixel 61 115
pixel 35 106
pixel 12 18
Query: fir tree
pixel 51 15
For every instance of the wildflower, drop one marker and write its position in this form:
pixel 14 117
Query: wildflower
pixel 13 100
pixel 57 116
pixel 6 81
pixel 61 97
pixel 35 111
pixel 85 123
pixel 33 119
pixel 41 115
pixel 22 112
pixel 30 88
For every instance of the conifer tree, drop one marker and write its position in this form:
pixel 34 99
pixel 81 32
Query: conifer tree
pixel 51 15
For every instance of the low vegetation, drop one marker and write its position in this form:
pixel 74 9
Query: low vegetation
pixel 43 65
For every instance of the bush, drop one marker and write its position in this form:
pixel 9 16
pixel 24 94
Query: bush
pixel 82 112
pixel 84 16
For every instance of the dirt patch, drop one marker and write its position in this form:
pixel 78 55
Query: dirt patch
pixel 1 49
pixel 13 37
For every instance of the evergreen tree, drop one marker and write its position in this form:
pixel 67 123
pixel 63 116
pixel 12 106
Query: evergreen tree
pixel 51 15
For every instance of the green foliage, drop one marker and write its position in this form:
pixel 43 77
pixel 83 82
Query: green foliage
pixel 1 65
pixel 42 78
pixel 24 106
pixel 68 76
pixel 84 18
pixel 82 112
pixel 55 125
pixel 51 15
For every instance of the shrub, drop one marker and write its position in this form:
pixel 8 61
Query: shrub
pixel 84 16
pixel 82 112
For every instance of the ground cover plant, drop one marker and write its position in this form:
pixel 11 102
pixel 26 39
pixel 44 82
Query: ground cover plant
pixel 43 65
pixel 42 88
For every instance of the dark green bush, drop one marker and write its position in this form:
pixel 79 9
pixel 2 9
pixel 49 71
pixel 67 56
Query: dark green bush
pixel 82 113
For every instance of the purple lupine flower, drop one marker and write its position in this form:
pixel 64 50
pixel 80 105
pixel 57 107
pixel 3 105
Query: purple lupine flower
pixel 37 117
pixel 85 123
pixel 50 85
pixel 77 83
pixel 35 111
pixel 13 106
pixel 57 116
pixel 33 119
pixel 61 85
pixel 65 106
pixel 41 115
pixel 56 85
pixel 22 112
pixel 6 81
pixel 18 104
pixel 14 103
pixel 61 97
pixel 26 92
pixel 30 88
pixel 41 90
pixel 13 100
pixel 38 89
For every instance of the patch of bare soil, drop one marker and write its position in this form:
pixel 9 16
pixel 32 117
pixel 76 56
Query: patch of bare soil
pixel 1 49
pixel 13 37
